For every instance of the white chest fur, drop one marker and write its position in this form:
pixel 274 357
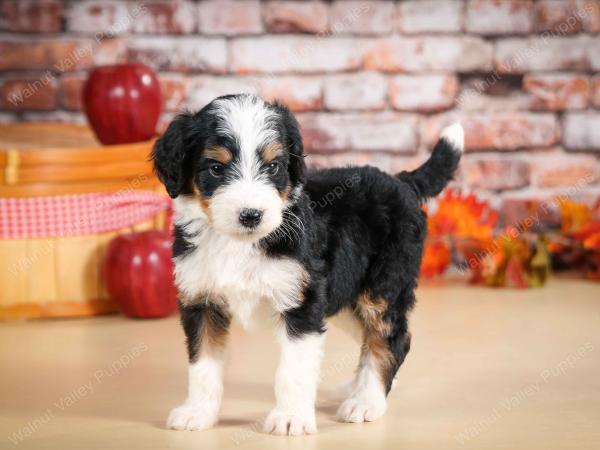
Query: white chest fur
pixel 235 270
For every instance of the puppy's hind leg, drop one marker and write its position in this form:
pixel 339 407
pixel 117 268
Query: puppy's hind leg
pixel 385 345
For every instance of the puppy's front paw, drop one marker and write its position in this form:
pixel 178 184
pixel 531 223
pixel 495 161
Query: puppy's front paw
pixel 359 409
pixel 289 423
pixel 192 417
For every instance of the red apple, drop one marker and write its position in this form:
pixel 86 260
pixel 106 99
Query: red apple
pixel 122 103
pixel 138 273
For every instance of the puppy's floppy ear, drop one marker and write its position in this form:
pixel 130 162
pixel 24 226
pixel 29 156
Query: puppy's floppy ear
pixel 293 138
pixel 170 156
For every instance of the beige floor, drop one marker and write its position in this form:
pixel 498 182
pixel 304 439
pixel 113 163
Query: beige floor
pixel 489 369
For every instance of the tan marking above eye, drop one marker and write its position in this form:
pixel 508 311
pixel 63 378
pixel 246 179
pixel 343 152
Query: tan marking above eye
pixel 271 151
pixel 218 153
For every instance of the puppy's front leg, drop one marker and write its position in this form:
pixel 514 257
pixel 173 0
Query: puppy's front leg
pixel 296 384
pixel 206 326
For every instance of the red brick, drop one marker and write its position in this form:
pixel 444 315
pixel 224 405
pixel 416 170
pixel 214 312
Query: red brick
pixel 423 92
pixel 495 174
pixel 491 92
pixel 302 54
pixel 385 132
pixel 362 17
pixel 360 91
pixel 593 54
pixel 173 88
pixel 111 17
pixel 295 17
pixel 50 53
pixel 166 17
pixel 71 91
pixel 180 53
pixel 298 93
pixel 567 16
pixel 591 14
pixel 31 16
pixel 559 16
pixel 596 91
pixel 230 17
pixel 429 16
pixel 552 171
pixel 29 93
pixel 582 131
pixel 493 17
pixel 203 89
pixel 516 55
pixel 499 131
pixel 460 54
pixel 110 51
pixel 557 92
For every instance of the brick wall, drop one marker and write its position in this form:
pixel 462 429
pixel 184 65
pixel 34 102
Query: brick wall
pixel 371 81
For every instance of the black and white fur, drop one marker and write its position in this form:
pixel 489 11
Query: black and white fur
pixel 302 254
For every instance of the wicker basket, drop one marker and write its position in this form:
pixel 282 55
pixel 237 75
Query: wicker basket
pixel 60 277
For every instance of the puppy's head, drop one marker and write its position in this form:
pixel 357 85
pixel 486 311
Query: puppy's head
pixel 240 158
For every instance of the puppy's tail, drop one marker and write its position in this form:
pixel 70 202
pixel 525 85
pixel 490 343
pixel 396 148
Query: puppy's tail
pixel 433 176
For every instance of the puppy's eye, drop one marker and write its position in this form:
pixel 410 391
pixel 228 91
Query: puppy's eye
pixel 216 170
pixel 273 168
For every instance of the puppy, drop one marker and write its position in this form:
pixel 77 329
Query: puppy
pixel 255 231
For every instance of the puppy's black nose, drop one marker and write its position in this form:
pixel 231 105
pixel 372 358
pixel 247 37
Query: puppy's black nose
pixel 250 217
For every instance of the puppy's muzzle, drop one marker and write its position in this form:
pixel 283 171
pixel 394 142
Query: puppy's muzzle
pixel 250 217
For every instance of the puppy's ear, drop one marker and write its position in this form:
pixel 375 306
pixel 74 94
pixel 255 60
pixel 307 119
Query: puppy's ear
pixel 296 166
pixel 170 156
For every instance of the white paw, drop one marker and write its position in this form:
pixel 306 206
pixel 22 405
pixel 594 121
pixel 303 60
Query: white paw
pixel 290 423
pixel 359 409
pixel 343 390
pixel 192 417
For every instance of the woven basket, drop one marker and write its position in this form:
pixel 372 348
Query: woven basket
pixel 60 276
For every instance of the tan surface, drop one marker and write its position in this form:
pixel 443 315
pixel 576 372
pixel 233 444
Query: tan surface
pixel 55 158
pixel 507 369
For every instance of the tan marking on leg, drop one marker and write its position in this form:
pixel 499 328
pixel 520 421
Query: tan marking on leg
pixel 214 325
pixel 213 331
pixel 218 153
pixel 370 312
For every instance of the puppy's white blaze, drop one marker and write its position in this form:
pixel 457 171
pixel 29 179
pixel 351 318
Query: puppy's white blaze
pixel 227 202
pixel 205 391
pixel 455 136
pixel 296 383
pixel 249 122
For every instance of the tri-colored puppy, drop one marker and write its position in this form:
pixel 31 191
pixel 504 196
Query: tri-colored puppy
pixel 256 232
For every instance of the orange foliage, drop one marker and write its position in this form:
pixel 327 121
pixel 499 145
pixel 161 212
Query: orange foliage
pixel 573 216
pixel 462 216
pixel 436 259
pixel 457 218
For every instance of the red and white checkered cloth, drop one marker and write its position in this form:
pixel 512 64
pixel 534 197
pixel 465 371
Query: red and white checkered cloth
pixel 76 215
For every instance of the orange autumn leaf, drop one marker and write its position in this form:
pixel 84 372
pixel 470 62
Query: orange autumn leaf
pixel 462 216
pixel 573 215
pixel 436 259
pixel 592 242
pixel 583 233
